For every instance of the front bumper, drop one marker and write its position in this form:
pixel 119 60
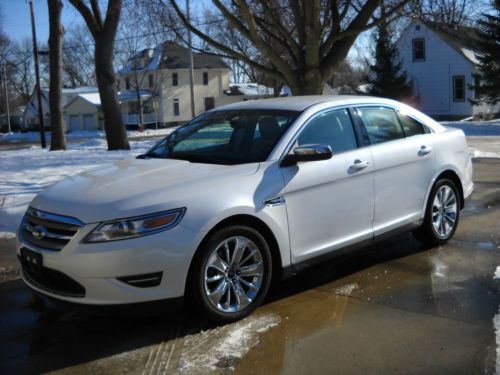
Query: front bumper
pixel 98 267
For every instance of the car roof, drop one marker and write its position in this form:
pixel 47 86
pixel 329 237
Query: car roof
pixel 300 103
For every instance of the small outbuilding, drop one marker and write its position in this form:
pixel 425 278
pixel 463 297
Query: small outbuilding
pixel 84 112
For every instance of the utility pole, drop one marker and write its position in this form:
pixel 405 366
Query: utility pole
pixel 191 71
pixel 6 91
pixel 37 76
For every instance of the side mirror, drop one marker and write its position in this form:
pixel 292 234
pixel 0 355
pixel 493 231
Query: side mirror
pixel 307 153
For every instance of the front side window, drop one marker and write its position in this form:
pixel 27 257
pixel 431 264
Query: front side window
pixel 226 137
pixel 333 128
pixel 418 49
pixel 458 88
pixel 381 123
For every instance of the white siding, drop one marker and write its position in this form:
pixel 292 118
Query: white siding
pixel 433 78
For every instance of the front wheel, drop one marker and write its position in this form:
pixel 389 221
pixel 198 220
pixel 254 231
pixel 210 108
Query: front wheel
pixel 231 274
pixel 442 214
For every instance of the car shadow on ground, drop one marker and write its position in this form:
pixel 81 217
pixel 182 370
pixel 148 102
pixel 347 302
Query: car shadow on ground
pixel 37 339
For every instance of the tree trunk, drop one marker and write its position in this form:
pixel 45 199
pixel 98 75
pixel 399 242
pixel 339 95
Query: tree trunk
pixel 57 127
pixel 308 83
pixel 116 134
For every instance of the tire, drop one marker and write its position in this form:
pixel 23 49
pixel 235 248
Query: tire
pixel 441 221
pixel 223 289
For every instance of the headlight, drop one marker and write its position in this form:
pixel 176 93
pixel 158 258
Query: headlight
pixel 135 226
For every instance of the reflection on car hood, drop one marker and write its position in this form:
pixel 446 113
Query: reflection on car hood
pixel 134 187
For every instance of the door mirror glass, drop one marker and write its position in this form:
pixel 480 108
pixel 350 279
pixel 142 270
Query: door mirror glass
pixel 307 153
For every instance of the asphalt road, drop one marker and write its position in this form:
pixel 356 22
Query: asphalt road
pixel 393 308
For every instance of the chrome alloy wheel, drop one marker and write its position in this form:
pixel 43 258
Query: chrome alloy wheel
pixel 233 274
pixel 444 211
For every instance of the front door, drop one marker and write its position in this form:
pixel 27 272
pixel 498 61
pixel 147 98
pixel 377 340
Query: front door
pixel 329 203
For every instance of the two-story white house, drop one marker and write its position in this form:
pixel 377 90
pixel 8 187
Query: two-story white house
pixel 161 77
pixel 442 63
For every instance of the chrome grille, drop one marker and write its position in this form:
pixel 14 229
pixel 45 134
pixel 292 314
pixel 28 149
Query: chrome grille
pixel 48 231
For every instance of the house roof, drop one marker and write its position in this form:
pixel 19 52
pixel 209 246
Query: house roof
pixel 170 55
pixel 177 57
pixel 463 39
pixel 124 96
pixel 75 90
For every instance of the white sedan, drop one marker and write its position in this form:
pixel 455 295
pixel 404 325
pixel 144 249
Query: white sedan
pixel 242 195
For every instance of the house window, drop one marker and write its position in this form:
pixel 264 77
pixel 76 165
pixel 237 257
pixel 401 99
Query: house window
pixel 175 79
pixel 205 78
pixel 209 103
pixel 118 84
pixel 458 88
pixel 417 27
pixel 127 83
pixel 419 49
pixel 176 107
pixel 151 79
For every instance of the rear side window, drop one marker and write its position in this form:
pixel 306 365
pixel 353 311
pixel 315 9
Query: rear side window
pixel 381 123
pixel 332 128
pixel 410 126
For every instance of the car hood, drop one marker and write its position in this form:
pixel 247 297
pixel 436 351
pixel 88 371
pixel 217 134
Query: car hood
pixel 134 187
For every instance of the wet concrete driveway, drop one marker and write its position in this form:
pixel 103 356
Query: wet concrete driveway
pixel 394 308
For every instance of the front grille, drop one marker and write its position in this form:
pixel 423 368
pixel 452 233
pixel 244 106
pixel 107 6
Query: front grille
pixel 54 282
pixel 48 231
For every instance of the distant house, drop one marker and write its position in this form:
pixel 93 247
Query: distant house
pixel 30 116
pixel 84 111
pixel 441 61
pixel 161 76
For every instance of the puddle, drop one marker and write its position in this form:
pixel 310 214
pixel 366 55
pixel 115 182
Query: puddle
pixel 487 245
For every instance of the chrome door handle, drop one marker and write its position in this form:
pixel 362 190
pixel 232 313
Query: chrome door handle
pixel 359 165
pixel 424 150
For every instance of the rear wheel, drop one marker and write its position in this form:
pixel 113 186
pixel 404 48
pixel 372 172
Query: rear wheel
pixel 442 214
pixel 232 274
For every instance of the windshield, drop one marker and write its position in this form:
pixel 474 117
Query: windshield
pixel 226 137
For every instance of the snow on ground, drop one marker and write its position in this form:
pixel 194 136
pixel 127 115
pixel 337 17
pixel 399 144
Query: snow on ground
pixel 23 173
pixel 34 137
pixel 475 128
pixel 222 346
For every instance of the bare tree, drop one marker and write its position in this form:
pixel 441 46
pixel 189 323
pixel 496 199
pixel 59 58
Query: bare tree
pixel 314 36
pixel 57 128
pixel 103 31
pixel 21 62
pixel 78 56
pixel 450 12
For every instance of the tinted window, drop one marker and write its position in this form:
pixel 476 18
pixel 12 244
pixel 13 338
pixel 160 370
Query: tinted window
pixel 410 125
pixel 382 124
pixel 332 128
pixel 226 137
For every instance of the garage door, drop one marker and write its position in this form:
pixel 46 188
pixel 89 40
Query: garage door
pixel 74 123
pixel 88 122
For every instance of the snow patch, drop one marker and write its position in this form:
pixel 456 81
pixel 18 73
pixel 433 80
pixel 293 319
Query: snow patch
pixel 221 347
pixel 346 290
pixel 496 275
pixel 24 173
pixel 7 235
pixel 484 154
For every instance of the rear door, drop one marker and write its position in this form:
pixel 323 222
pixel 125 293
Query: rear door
pixel 403 165
pixel 329 203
